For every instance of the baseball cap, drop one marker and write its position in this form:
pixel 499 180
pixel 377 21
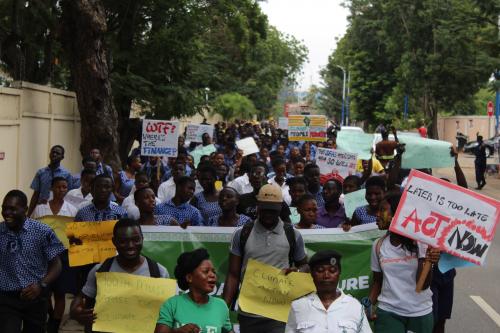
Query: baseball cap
pixel 270 197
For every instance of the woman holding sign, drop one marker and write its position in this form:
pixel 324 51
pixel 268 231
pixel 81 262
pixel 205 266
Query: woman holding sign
pixel 397 263
pixel 195 311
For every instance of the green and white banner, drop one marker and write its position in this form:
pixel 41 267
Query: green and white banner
pixel 165 244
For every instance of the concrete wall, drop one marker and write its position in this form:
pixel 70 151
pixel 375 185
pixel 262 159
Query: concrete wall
pixel 32 119
pixel 468 125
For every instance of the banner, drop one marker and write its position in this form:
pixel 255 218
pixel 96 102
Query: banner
pixel 336 161
pixel 165 244
pixel 307 128
pixel 283 123
pixel 421 153
pixel 444 215
pixel 267 292
pixel 90 242
pixel 58 225
pixel 128 303
pixel 248 146
pixel 159 138
pixel 194 132
pixel 355 142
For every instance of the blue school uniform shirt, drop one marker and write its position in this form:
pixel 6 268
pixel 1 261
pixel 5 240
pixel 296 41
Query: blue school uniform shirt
pixel 25 255
pixel 42 182
pixel 91 213
pixel 181 213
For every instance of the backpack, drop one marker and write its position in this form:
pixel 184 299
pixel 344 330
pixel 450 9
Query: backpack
pixel 289 232
pixel 154 269
pixel 378 246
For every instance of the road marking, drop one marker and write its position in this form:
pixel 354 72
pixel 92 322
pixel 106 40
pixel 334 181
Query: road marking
pixel 487 308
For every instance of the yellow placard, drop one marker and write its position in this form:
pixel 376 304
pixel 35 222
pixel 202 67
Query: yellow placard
pixel 58 224
pixel 128 303
pixel 267 292
pixel 90 242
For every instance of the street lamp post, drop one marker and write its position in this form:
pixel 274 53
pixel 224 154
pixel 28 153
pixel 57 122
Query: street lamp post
pixel 343 96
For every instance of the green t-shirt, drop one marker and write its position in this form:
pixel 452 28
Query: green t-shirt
pixel 180 310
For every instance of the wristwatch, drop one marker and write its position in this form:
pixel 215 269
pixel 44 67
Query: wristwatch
pixel 43 285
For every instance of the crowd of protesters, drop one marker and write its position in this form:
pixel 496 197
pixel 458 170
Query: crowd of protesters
pixel 269 196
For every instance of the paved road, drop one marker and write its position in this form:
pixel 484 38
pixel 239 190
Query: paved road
pixel 467 316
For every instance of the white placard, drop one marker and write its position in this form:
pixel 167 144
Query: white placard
pixel 159 138
pixel 336 162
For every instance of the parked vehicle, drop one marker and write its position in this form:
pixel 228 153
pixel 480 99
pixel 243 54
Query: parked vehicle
pixel 490 146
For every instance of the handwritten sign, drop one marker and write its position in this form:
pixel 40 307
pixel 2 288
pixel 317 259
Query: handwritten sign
pixel 438 213
pixel 307 128
pixel 355 142
pixel 283 123
pixel 248 146
pixel 269 293
pixel 58 224
pixel 336 161
pixel 423 153
pixel 128 303
pixel 354 200
pixel 159 138
pixel 194 132
pixel 92 242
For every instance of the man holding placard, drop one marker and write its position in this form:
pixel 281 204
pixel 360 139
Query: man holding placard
pixel 270 241
pixel 128 239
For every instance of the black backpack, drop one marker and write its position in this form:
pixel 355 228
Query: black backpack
pixel 289 232
pixel 154 269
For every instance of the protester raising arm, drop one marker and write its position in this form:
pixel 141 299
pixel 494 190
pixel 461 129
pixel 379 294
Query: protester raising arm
pixel 461 181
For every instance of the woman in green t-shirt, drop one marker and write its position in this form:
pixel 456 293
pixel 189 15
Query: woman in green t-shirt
pixel 195 311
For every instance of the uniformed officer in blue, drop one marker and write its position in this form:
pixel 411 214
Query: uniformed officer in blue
pixel 29 263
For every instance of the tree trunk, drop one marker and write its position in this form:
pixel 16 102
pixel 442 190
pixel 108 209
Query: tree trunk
pixel 85 25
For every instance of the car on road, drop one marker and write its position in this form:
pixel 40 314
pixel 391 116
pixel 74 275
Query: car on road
pixel 491 145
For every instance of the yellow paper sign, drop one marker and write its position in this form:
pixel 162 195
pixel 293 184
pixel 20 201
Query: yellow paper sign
pixel 268 292
pixel 218 185
pixel 90 242
pixel 58 224
pixel 128 303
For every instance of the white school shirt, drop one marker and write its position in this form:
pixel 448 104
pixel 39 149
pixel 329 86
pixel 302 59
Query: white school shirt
pixel 67 209
pixel 241 184
pixel 399 269
pixel 344 315
pixel 166 191
pixel 132 211
pixel 76 198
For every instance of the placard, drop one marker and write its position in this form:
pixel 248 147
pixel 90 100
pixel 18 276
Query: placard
pixel 159 138
pixel 248 146
pixel 421 153
pixel 355 142
pixel 336 161
pixel 307 128
pixel 283 123
pixel 266 291
pixel 90 242
pixel 194 132
pixel 128 303
pixel 58 224
pixel 354 200
pixel 447 216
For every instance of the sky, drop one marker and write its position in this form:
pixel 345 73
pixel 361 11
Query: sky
pixel 316 23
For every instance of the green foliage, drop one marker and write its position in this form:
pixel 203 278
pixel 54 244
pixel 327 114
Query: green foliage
pixel 234 106
pixel 163 54
pixel 439 53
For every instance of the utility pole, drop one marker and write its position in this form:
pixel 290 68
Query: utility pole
pixel 343 96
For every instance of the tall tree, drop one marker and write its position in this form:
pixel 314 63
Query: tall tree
pixel 85 28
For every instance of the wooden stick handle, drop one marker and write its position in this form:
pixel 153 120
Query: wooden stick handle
pixel 158 164
pixel 423 275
